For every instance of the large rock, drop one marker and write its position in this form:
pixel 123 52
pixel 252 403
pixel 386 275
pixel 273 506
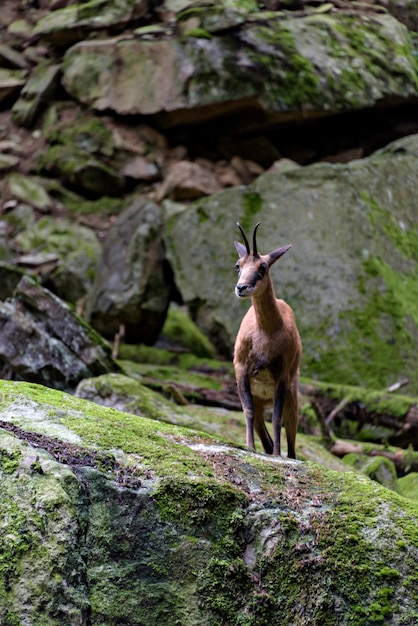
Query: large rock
pixel 73 250
pixel 132 285
pixel 42 340
pixel 71 23
pixel 109 518
pixel 37 92
pixel 11 83
pixel 351 276
pixel 314 63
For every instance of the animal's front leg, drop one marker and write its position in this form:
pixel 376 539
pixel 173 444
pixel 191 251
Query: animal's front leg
pixel 244 391
pixel 276 418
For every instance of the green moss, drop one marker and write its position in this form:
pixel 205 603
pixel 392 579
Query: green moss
pixel 87 134
pixel 202 504
pixel 184 361
pixel 146 354
pixel 198 33
pixel 9 461
pixel 224 588
pixel 109 429
pixel 293 80
pixel 181 329
pixel 408 486
pixel 384 221
pixel 362 44
pixel 253 204
pixel 381 470
pixel 382 330
pixel 322 551
pixel 67 160
pixel 172 374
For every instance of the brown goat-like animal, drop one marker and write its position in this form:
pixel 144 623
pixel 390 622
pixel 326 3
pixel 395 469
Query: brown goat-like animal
pixel 267 351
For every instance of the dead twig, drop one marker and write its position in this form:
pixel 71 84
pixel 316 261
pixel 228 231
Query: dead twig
pixel 398 385
pixel 116 342
pixel 327 433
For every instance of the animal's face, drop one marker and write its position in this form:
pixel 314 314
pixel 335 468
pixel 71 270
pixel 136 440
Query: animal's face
pixel 253 268
pixel 252 275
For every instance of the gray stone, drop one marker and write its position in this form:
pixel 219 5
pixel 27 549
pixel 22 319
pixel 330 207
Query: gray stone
pixel 283 66
pixel 8 162
pixel 73 22
pixel 42 340
pixel 9 279
pixel 12 58
pixel 11 82
pixel 37 92
pixel 132 286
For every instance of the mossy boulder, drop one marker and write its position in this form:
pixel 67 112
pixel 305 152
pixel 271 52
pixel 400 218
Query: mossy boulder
pixel 42 340
pixel 377 468
pixel 41 87
pixel 74 249
pixel 322 62
pixel 111 518
pixel 30 190
pixel 81 171
pixel 66 25
pixel 137 395
pixel 351 275
pixel 408 485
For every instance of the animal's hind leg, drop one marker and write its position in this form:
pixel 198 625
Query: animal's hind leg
pixel 290 419
pixel 261 428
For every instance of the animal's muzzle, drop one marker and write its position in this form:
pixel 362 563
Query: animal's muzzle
pixel 241 290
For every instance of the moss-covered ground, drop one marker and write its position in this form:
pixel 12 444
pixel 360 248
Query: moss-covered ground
pixel 233 538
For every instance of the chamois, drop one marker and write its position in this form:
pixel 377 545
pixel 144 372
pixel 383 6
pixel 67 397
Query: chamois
pixel 267 351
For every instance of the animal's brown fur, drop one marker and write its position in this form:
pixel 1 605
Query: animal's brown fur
pixel 267 353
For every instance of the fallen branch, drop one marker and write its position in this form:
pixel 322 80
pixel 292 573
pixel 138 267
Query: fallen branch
pixel 340 406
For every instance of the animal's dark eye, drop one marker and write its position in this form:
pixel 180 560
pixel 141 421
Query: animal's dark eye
pixel 261 271
pixel 237 267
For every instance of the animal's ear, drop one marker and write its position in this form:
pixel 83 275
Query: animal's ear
pixel 276 254
pixel 241 249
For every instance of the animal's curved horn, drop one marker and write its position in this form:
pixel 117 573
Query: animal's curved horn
pixel 247 245
pixel 255 239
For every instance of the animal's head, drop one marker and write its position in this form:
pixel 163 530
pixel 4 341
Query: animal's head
pixel 252 267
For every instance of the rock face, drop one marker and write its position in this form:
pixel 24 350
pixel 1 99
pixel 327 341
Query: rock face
pixel 114 518
pixel 350 276
pixel 132 286
pixel 279 65
pixel 43 341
